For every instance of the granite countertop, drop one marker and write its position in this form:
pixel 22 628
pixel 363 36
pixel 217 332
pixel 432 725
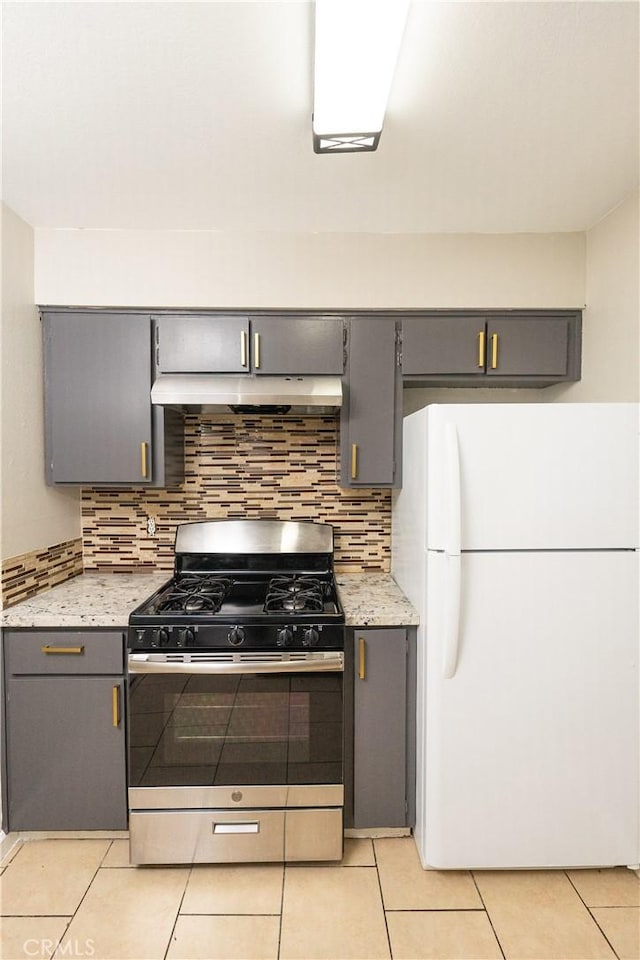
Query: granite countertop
pixel 90 600
pixel 107 599
pixel 374 600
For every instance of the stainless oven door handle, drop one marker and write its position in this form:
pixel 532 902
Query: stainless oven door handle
pixel 315 663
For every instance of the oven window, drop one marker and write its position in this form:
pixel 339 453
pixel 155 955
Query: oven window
pixel 228 730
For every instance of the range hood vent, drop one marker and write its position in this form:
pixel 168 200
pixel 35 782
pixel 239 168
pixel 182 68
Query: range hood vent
pixel 207 393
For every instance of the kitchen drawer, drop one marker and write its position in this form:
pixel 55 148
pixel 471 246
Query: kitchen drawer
pixel 64 652
pixel 206 836
pixel 235 836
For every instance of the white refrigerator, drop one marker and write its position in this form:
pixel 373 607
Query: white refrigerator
pixel 515 536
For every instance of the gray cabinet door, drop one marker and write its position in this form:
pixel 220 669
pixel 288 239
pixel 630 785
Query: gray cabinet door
pixel 443 345
pixel 202 344
pixel 371 418
pixel 297 345
pixel 527 347
pixel 532 349
pixel 66 764
pixel 380 729
pixel 97 388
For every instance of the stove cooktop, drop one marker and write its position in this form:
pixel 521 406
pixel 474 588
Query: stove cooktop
pixel 258 585
pixel 214 612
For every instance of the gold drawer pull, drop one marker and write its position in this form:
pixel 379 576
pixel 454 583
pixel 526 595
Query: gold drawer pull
pixel 494 351
pixel 115 705
pixel 75 651
pixel 354 461
pixel 481 348
pixel 144 459
pixel 243 348
pixel 362 668
pixel 256 350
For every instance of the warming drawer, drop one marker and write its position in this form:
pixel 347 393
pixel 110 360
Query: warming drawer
pixel 223 836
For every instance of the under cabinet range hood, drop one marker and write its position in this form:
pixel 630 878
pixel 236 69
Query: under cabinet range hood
pixel 208 393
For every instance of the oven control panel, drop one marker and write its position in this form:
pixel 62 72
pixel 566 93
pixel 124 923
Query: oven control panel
pixel 294 636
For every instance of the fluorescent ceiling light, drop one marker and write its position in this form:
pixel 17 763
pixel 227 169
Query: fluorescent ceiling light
pixel 356 49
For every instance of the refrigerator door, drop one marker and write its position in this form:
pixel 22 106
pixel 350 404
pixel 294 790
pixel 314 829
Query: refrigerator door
pixel 551 476
pixel 408 519
pixel 529 752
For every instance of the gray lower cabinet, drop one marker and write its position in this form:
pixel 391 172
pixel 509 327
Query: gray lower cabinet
pixel 64 726
pixel 371 416
pixel 100 428
pixel 383 728
pixel 532 349
pixel 260 344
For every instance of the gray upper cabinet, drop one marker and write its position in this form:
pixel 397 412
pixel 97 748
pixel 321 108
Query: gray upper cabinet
pixel 202 344
pixel 436 346
pixel 100 428
pixel 260 344
pixel 371 417
pixel 528 348
pixel 297 345
pixel 512 349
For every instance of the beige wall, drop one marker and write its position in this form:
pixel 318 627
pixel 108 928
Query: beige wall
pixel 277 270
pixel 33 516
pixel 611 324
pixel 611 345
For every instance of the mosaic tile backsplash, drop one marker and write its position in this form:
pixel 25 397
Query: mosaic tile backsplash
pixel 31 573
pixel 242 467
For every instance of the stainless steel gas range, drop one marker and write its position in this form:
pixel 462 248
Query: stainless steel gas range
pixel 236 699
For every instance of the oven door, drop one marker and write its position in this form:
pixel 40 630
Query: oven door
pixel 235 756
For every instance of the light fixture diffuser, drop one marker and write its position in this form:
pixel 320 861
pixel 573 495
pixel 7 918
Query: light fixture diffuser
pixel 356 49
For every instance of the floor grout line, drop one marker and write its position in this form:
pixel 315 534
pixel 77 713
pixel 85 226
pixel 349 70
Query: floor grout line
pixel 54 955
pixel 178 914
pixel 284 875
pixel 488 915
pixel 384 912
pixel 588 909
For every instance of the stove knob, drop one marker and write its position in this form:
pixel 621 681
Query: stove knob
pixel 285 637
pixel 185 637
pixel 310 637
pixel 159 637
pixel 236 636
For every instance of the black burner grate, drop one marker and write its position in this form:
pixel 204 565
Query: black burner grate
pixel 195 595
pixel 295 595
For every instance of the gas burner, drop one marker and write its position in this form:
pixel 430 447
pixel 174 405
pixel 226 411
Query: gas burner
pixel 195 595
pixel 295 595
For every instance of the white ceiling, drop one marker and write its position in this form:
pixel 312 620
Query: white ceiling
pixel 503 117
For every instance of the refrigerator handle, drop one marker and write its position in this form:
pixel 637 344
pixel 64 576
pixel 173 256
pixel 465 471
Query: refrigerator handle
pixel 451 625
pixel 452 535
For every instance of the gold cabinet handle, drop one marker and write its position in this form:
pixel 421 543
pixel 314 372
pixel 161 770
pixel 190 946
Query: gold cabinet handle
pixel 256 350
pixel 144 459
pixel 481 348
pixel 115 705
pixel 72 651
pixel 354 461
pixel 243 348
pixel 362 672
pixel 494 351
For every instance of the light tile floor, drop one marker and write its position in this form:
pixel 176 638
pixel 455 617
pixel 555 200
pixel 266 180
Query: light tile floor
pixel 75 899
